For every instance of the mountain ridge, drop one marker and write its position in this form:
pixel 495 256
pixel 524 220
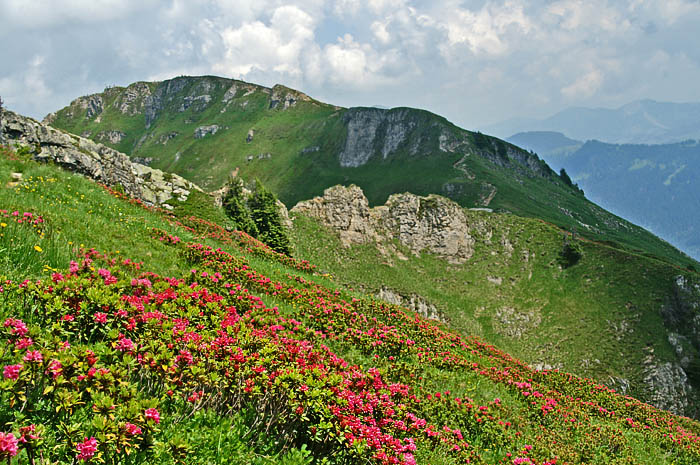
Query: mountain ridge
pixel 207 127
pixel 641 121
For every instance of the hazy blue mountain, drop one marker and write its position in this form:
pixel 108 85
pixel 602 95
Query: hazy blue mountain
pixel 550 145
pixel 643 121
pixel 651 185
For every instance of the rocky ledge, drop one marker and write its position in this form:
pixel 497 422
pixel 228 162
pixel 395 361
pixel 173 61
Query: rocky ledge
pixel 433 223
pixel 93 160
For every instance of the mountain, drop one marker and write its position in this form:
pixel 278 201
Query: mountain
pixel 640 122
pixel 202 128
pixel 128 329
pixel 551 146
pixel 651 185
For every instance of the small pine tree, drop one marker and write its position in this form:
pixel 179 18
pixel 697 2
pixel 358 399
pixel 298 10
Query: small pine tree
pixel 266 215
pixel 234 204
pixel 565 177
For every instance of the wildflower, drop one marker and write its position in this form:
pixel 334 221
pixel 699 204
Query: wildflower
pixel 152 414
pixel 38 249
pixel 27 433
pixel 8 445
pixel 18 327
pixel 55 368
pixel 11 371
pixel 125 345
pixel 74 267
pixel 86 449
pixel 100 317
pixel 23 343
pixel 131 429
pixel 33 356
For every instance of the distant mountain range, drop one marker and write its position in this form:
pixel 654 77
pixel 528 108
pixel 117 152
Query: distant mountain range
pixel 640 122
pixel 651 185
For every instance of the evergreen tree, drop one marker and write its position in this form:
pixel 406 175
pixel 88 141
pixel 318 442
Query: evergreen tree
pixel 265 214
pixel 234 204
pixel 565 177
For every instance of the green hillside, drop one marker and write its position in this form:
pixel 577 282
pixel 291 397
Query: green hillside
pixel 133 336
pixel 205 127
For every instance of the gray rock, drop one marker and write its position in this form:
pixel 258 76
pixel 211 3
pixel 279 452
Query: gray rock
pixel 668 384
pixel 434 224
pixel 197 103
pixel 164 93
pixel 113 137
pixel 94 160
pixel 203 131
pixel 285 97
pixel 131 102
pixel 413 302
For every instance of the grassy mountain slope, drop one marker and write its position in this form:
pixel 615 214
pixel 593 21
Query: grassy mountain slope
pixel 202 128
pixel 246 356
pixel 601 317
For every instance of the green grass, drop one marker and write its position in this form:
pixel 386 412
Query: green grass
pixel 417 166
pixel 568 317
pixel 574 304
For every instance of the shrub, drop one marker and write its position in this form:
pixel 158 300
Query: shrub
pixel 571 252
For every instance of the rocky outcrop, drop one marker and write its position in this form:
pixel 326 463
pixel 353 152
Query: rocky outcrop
pixel 94 160
pixel 203 131
pixel 433 224
pixel 165 92
pixel 113 137
pixel 284 97
pixel 131 101
pixel 373 131
pixel 668 385
pixel 413 302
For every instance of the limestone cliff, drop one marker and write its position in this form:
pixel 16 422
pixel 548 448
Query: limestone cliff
pixel 433 223
pixel 93 160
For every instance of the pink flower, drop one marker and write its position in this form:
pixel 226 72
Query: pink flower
pixel 152 414
pixel 17 327
pixel 27 433
pixel 23 343
pixel 33 356
pixel 132 429
pixel 8 445
pixel 74 267
pixel 86 449
pixel 55 368
pixel 125 345
pixel 100 317
pixel 57 277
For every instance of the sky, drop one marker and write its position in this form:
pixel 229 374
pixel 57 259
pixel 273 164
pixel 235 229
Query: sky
pixel 475 62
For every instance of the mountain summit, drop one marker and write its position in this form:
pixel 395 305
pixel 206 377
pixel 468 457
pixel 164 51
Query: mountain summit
pixel 202 128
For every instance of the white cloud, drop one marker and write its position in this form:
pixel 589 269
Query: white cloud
pixel 470 61
pixel 488 30
pixel 585 86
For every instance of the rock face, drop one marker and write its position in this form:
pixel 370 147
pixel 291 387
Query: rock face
pixel 203 131
pixel 286 97
pixel 668 384
pixel 368 126
pixel 433 224
pixel 414 302
pixel 93 160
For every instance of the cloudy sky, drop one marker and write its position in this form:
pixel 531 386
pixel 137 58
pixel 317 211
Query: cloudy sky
pixel 474 61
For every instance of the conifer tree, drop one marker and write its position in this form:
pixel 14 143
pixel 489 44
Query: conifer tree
pixel 235 206
pixel 266 215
